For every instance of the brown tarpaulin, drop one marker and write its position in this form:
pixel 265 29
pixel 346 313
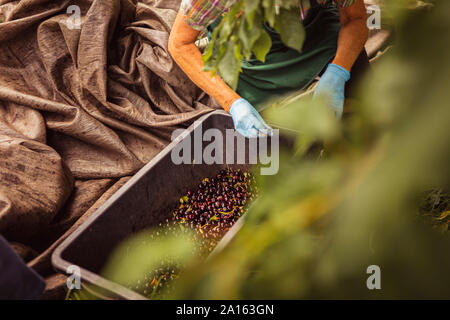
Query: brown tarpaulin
pixel 80 108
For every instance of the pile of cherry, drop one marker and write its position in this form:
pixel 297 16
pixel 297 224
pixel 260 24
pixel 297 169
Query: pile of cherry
pixel 217 203
pixel 210 211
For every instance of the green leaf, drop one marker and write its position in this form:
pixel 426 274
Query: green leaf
pixel 291 30
pixel 269 12
pixel 251 6
pixel 250 9
pixel 210 47
pixel 248 38
pixel 229 66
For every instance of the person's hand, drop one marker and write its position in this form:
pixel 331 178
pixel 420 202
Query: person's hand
pixel 332 86
pixel 247 120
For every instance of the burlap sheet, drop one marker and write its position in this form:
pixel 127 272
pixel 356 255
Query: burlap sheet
pixel 80 108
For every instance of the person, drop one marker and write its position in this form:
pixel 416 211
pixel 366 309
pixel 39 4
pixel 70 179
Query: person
pixel 336 32
pixel 17 281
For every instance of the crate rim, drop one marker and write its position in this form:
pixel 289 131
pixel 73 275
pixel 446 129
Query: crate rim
pixel 61 264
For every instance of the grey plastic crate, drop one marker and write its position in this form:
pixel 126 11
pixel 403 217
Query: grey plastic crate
pixel 143 202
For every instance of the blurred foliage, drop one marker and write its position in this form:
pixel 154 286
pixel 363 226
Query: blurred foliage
pixel 319 224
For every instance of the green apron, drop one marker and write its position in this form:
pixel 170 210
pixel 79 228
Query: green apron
pixel 286 70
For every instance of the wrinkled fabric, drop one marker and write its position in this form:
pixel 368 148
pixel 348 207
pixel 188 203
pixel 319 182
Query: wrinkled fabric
pixel 83 104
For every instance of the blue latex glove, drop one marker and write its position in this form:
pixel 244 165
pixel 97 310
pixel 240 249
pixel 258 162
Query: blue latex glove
pixel 332 86
pixel 247 120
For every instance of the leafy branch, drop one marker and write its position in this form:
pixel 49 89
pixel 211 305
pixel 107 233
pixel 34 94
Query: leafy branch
pixel 241 34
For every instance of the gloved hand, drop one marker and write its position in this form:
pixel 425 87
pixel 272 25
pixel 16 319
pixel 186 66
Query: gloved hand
pixel 332 86
pixel 247 120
